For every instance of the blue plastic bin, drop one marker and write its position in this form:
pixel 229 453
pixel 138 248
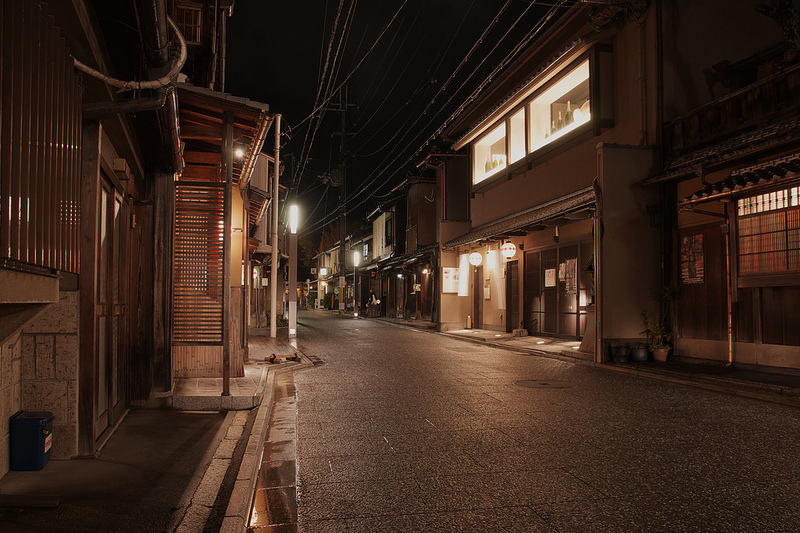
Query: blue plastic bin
pixel 31 439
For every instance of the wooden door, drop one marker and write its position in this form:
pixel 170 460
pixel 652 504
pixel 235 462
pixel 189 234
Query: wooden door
pixel 110 309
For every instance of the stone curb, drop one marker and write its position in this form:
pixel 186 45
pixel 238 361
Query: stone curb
pixel 237 515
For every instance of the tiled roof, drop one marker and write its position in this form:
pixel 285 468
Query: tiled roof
pixel 528 217
pixel 745 179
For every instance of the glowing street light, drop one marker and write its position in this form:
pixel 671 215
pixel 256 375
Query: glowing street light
pixel 293 222
pixel 355 282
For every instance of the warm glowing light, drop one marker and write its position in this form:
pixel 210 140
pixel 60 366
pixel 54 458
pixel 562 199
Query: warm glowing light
pixel 323 284
pixel 323 271
pixel 400 276
pixel 239 153
pixel 508 250
pixel 539 342
pixel 424 270
pixel 255 273
pixel 475 258
pixel 355 258
pixel 294 217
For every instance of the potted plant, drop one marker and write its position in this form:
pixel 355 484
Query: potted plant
pixel 619 353
pixel 638 351
pixel 657 334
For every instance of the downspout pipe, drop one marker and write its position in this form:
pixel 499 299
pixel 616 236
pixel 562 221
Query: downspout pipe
pixel 138 85
pixel 598 271
pixel 729 283
pixel 103 109
pixel 153 19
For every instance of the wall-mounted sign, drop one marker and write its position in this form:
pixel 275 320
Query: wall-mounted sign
pixel 692 259
pixel 550 277
pixel 450 279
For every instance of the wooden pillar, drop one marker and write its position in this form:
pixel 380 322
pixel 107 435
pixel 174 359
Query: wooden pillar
pixel 163 222
pixel 227 170
pixel 90 183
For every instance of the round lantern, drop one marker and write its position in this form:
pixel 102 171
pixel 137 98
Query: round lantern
pixel 508 250
pixel 475 258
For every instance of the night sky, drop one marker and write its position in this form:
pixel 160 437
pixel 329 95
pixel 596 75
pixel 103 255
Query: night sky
pixel 406 65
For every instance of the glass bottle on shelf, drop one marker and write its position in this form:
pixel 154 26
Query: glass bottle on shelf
pixel 488 166
pixel 560 122
pixel 568 116
pixel 552 127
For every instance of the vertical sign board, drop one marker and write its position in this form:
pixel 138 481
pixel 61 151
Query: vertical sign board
pixel 450 278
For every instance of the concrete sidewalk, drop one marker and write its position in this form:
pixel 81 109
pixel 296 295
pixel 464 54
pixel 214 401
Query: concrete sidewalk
pixel 191 467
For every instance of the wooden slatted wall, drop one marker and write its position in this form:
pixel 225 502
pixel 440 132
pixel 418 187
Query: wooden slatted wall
pixel 40 140
pixel 198 263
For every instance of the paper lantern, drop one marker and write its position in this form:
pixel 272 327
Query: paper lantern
pixel 508 250
pixel 475 258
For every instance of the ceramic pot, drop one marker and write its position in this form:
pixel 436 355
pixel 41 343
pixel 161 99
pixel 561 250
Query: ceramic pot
pixel 660 354
pixel 638 354
pixel 620 354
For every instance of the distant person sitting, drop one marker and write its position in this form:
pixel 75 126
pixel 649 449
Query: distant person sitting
pixel 372 304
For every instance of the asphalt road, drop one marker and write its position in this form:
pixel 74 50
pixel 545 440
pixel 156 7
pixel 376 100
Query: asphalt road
pixel 405 430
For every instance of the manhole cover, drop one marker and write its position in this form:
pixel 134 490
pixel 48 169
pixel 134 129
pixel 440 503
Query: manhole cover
pixel 543 384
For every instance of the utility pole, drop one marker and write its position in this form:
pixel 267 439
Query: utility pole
pixel 342 108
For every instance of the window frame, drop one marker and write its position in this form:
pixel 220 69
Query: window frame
pixel 181 8
pixel 600 79
pixel 763 205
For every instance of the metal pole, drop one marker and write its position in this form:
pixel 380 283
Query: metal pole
pixel 293 282
pixel 273 281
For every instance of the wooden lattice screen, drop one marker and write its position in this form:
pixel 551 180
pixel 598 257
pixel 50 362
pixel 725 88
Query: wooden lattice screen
pixel 198 263
pixel 40 153
pixel 770 242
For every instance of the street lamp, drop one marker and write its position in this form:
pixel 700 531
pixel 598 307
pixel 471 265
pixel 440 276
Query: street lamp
pixel 355 282
pixel 293 221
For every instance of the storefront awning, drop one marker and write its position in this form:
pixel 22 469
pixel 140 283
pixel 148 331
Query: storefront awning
pixel 527 218
pixel 749 181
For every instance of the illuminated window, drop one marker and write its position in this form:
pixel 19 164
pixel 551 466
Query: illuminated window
pixel 561 108
pixel 188 19
pixel 490 154
pixel 769 232
pixel 516 140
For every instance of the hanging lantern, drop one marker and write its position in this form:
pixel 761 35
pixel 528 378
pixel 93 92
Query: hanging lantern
pixel 475 258
pixel 508 250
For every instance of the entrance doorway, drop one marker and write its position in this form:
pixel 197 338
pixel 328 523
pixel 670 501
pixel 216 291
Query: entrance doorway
pixel 110 302
pixel 477 302
pixel 512 296
pixel 556 289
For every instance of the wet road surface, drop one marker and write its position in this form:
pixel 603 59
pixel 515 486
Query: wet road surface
pixel 405 430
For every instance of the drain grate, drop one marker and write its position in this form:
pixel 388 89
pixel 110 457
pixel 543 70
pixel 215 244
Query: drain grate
pixel 543 384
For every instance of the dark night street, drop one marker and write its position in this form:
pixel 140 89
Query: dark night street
pixel 406 430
